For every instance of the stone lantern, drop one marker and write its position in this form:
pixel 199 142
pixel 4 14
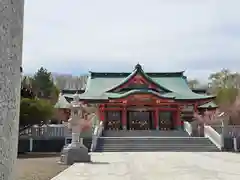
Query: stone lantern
pixel 75 151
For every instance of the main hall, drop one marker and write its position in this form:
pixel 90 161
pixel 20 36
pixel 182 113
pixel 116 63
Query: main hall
pixel 140 100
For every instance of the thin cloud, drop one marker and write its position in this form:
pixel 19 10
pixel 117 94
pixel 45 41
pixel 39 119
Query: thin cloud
pixel 71 36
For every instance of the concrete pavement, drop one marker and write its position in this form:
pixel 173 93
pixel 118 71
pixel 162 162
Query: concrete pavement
pixel 156 166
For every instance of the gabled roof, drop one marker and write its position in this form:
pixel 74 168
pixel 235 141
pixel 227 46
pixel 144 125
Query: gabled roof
pixel 99 84
pixel 62 103
pixel 138 70
pixel 210 104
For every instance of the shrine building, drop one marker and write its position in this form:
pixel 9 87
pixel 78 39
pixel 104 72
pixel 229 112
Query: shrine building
pixel 141 100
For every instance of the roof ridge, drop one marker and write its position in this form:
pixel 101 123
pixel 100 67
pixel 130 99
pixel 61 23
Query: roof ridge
pixel 125 74
pixel 129 72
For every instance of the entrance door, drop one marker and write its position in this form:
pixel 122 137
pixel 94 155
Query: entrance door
pixel 139 120
pixel 166 120
pixel 113 120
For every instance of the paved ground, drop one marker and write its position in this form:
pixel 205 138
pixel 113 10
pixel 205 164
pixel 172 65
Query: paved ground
pixel 38 167
pixel 156 166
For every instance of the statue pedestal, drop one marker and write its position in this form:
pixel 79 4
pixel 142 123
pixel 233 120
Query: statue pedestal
pixel 74 153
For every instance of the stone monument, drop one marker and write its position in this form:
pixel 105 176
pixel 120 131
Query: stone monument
pixel 11 36
pixel 76 151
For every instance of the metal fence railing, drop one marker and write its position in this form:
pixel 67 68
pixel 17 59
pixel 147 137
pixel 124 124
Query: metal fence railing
pixel 50 130
pixel 229 130
pixel 57 130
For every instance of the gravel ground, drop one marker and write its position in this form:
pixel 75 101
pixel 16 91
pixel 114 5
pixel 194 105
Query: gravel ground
pixel 38 166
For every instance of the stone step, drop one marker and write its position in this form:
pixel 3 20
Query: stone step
pixel 142 148
pixel 158 147
pixel 142 144
pixel 197 149
pixel 140 133
pixel 152 138
pixel 155 145
pixel 150 141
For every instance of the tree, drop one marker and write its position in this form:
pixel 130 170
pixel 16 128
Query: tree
pixel 70 82
pixel 26 90
pixel 220 79
pixel 233 111
pixel 208 118
pixel 91 114
pixel 44 86
pixel 193 83
pixel 225 85
pixel 34 112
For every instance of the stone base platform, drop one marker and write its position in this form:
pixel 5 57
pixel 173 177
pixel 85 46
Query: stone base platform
pixel 74 153
pixel 156 166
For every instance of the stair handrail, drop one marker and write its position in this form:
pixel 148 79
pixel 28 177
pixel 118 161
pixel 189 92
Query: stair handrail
pixel 213 136
pixel 94 138
pixel 97 133
pixel 188 127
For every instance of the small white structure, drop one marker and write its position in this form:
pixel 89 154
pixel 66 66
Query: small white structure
pixel 62 103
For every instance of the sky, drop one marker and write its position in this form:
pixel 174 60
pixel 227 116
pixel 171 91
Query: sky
pixel 77 36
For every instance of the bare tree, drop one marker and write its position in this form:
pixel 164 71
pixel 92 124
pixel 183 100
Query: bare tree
pixel 193 83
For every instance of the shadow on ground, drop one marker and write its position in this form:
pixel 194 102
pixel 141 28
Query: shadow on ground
pixel 37 155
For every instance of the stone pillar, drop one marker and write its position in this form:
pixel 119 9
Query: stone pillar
pixel 11 36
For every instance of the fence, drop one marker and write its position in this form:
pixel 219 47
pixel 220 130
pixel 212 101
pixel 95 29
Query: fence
pixel 47 145
pixel 230 135
pixel 51 131
pixel 227 138
pixel 49 138
pixel 229 130
pixel 57 130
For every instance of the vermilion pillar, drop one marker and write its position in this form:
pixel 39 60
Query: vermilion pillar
pixel 124 118
pixel 101 113
pixel 156 118
pixel 178 122
pixel 195 107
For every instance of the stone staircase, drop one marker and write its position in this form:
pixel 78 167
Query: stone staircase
pixel 152 141
pixel 144 133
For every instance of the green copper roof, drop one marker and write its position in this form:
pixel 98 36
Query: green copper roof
pixel 62 103
pixel 208 105
pixel 138 70
pixel 175 84
pixel 135 91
